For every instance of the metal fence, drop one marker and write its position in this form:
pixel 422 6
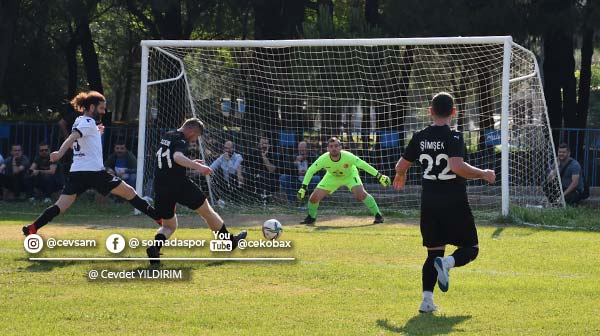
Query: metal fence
pixel 29 135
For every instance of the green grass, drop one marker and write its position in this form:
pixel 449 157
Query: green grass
pixel 350 278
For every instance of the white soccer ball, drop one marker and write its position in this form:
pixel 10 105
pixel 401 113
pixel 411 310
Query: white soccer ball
pixel 272 229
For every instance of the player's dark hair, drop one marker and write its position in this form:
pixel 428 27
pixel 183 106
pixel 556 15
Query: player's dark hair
pixel 442 104
pixel 83 100
pixel 564 146
pixel 194 123
pixel 334 139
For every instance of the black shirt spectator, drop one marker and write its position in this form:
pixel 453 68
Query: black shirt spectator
pixel 43 175
pixel 13 170
pixel 262 170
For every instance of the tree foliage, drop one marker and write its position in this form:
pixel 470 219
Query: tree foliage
pixel 51 49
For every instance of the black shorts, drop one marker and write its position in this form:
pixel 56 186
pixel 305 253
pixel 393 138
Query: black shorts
pixel 80 181
pixel 447 219
pixel 184 192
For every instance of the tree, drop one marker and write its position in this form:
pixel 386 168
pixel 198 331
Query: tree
pixel 8 22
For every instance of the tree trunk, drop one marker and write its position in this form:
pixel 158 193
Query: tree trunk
pixel 70 50
pixel 8 21
pixel 372 12
pixel 585 74
pixel 278 19
pixel 88 53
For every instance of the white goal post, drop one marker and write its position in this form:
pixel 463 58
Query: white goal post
pixel 371 93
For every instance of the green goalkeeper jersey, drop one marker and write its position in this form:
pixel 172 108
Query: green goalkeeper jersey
pixel 346 166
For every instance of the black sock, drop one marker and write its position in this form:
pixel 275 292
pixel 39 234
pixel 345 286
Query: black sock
pixel 160 237
pixel 223 229
pixel 464 255
pixel 144 207
pixel 46 216
pixel 429 274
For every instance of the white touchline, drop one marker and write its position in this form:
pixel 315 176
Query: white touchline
pixel 197 259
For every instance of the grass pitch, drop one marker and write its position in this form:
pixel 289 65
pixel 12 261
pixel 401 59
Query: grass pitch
pixel 349 278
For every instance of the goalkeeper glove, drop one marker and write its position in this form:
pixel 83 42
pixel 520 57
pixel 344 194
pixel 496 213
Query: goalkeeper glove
pixel 302 192
pixel 384 180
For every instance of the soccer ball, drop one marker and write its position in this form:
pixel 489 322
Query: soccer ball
pixel 272 229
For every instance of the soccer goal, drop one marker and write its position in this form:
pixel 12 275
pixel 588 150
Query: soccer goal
pixel 373 94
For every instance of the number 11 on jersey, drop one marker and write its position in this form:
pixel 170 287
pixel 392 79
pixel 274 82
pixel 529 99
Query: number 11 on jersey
pixel 160 154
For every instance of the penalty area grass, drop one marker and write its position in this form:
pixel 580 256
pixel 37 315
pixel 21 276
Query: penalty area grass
pixel 349 278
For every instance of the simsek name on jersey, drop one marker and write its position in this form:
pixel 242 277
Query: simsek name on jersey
pixel 433 147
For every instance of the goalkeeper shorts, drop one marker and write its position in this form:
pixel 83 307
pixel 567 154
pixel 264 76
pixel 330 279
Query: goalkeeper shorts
pixel 332 183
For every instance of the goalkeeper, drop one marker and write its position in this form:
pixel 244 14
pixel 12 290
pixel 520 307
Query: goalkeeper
pixel 342 170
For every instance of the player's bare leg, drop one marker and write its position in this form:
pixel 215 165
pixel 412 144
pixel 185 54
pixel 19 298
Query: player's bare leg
pixel 210 216
pixel 167 228
pixel 63 204
pixel 215 222
pixel 313 204
pixel 125 191
pixel 429 276
pixel 362 195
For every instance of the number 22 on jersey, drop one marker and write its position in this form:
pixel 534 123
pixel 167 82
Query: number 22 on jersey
pixel 443 175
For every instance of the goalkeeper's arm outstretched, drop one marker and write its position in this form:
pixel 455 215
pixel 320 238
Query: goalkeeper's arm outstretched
pixel 342 170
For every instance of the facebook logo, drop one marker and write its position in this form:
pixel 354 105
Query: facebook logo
pixel 115 243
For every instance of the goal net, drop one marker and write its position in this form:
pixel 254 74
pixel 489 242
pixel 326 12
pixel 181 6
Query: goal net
pixel 276 103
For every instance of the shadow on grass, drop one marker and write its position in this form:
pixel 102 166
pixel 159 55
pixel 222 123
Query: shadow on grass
pixel 47 266
pixel 425 324
pixel 497 232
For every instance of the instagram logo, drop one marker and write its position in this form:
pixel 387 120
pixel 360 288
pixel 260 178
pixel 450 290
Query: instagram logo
pixel 33 243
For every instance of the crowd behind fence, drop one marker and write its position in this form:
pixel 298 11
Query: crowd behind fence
pixel 382 149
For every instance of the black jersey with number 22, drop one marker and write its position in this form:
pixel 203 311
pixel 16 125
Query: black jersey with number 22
pixel 433 147
pixel 167 170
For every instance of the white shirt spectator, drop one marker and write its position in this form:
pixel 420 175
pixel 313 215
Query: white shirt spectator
pixel 228 165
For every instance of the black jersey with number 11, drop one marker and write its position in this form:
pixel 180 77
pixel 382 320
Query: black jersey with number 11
pixel 433 147
pixel 167 170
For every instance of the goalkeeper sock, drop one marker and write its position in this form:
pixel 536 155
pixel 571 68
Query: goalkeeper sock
pixel 312 209
pixel 371 204
pixel 161 238
pixel 144 207
pixel 46 216
pixel 429 273
pixel 464 255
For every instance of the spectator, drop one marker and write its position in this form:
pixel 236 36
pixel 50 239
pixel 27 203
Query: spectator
pixel 228 178
pixel 210 145
pixel 14 169
pixel 570 176
pixel 262 171
pixel 193 154
pixel 122 163
pixel 294 169
pixel 43 175
pixel 2 169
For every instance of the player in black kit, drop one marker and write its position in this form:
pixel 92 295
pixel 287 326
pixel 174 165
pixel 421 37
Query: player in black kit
pixel 171 186
pixel 446 216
